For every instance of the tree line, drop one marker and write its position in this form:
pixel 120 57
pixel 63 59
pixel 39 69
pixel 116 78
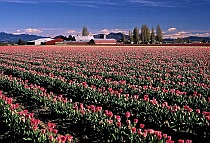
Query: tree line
pixel 146 35
pixel 85 32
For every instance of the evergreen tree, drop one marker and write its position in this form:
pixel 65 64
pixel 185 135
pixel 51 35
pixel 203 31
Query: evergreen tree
pixel 21 42
pixel 136 37
pixel 152 36
pixel 159 34
pixel 202 40
pixel 188 40
pixel 145 34
pixel 85 31
pixel 70 38
pixel 73 39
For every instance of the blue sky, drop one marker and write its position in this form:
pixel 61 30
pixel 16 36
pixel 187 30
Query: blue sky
pixel 177 18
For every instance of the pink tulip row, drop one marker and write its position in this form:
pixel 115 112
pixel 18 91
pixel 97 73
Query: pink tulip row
pixel 184 66
pixel 179 76
pixel 52 56
pixel 172 108
pixel 182 83
pixel 177 92
pixel 118 93
pixel 111 118
pixel 64 100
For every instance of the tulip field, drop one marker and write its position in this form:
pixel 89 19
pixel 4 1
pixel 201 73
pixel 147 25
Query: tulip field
pixel 119 94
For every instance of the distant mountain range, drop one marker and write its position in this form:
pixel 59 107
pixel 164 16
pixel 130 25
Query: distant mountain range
pixel 5 37
pixel 191 38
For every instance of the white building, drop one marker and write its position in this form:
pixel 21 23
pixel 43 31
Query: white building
pixel 39 41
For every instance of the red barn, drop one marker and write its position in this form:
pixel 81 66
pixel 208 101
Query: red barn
pixel 52 42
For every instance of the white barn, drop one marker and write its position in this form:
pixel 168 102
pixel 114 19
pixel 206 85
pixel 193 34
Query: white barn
pixel 39 41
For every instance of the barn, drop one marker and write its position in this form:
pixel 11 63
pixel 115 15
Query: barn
pixel 54 41
pixel 41 41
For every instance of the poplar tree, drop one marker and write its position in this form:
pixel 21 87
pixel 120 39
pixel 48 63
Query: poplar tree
pixel 130 36
pixel 85 31
pixel 159 34
pixel 145 34
pixel 152 36
pixel 136 35
pixel 123 38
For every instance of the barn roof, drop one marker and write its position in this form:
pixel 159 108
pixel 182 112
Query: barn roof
pixel 42 40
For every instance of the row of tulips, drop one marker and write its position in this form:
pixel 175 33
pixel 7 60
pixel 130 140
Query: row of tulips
pixel 167 117
pixel 75 67
pixel 161 80
pixel 167 68
pixel 162 95
pixel 133 62
pixel 157 80
pixel 24 126
pixel 100 124
pixel 84 57
pixel 172 96
pixel 194 103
